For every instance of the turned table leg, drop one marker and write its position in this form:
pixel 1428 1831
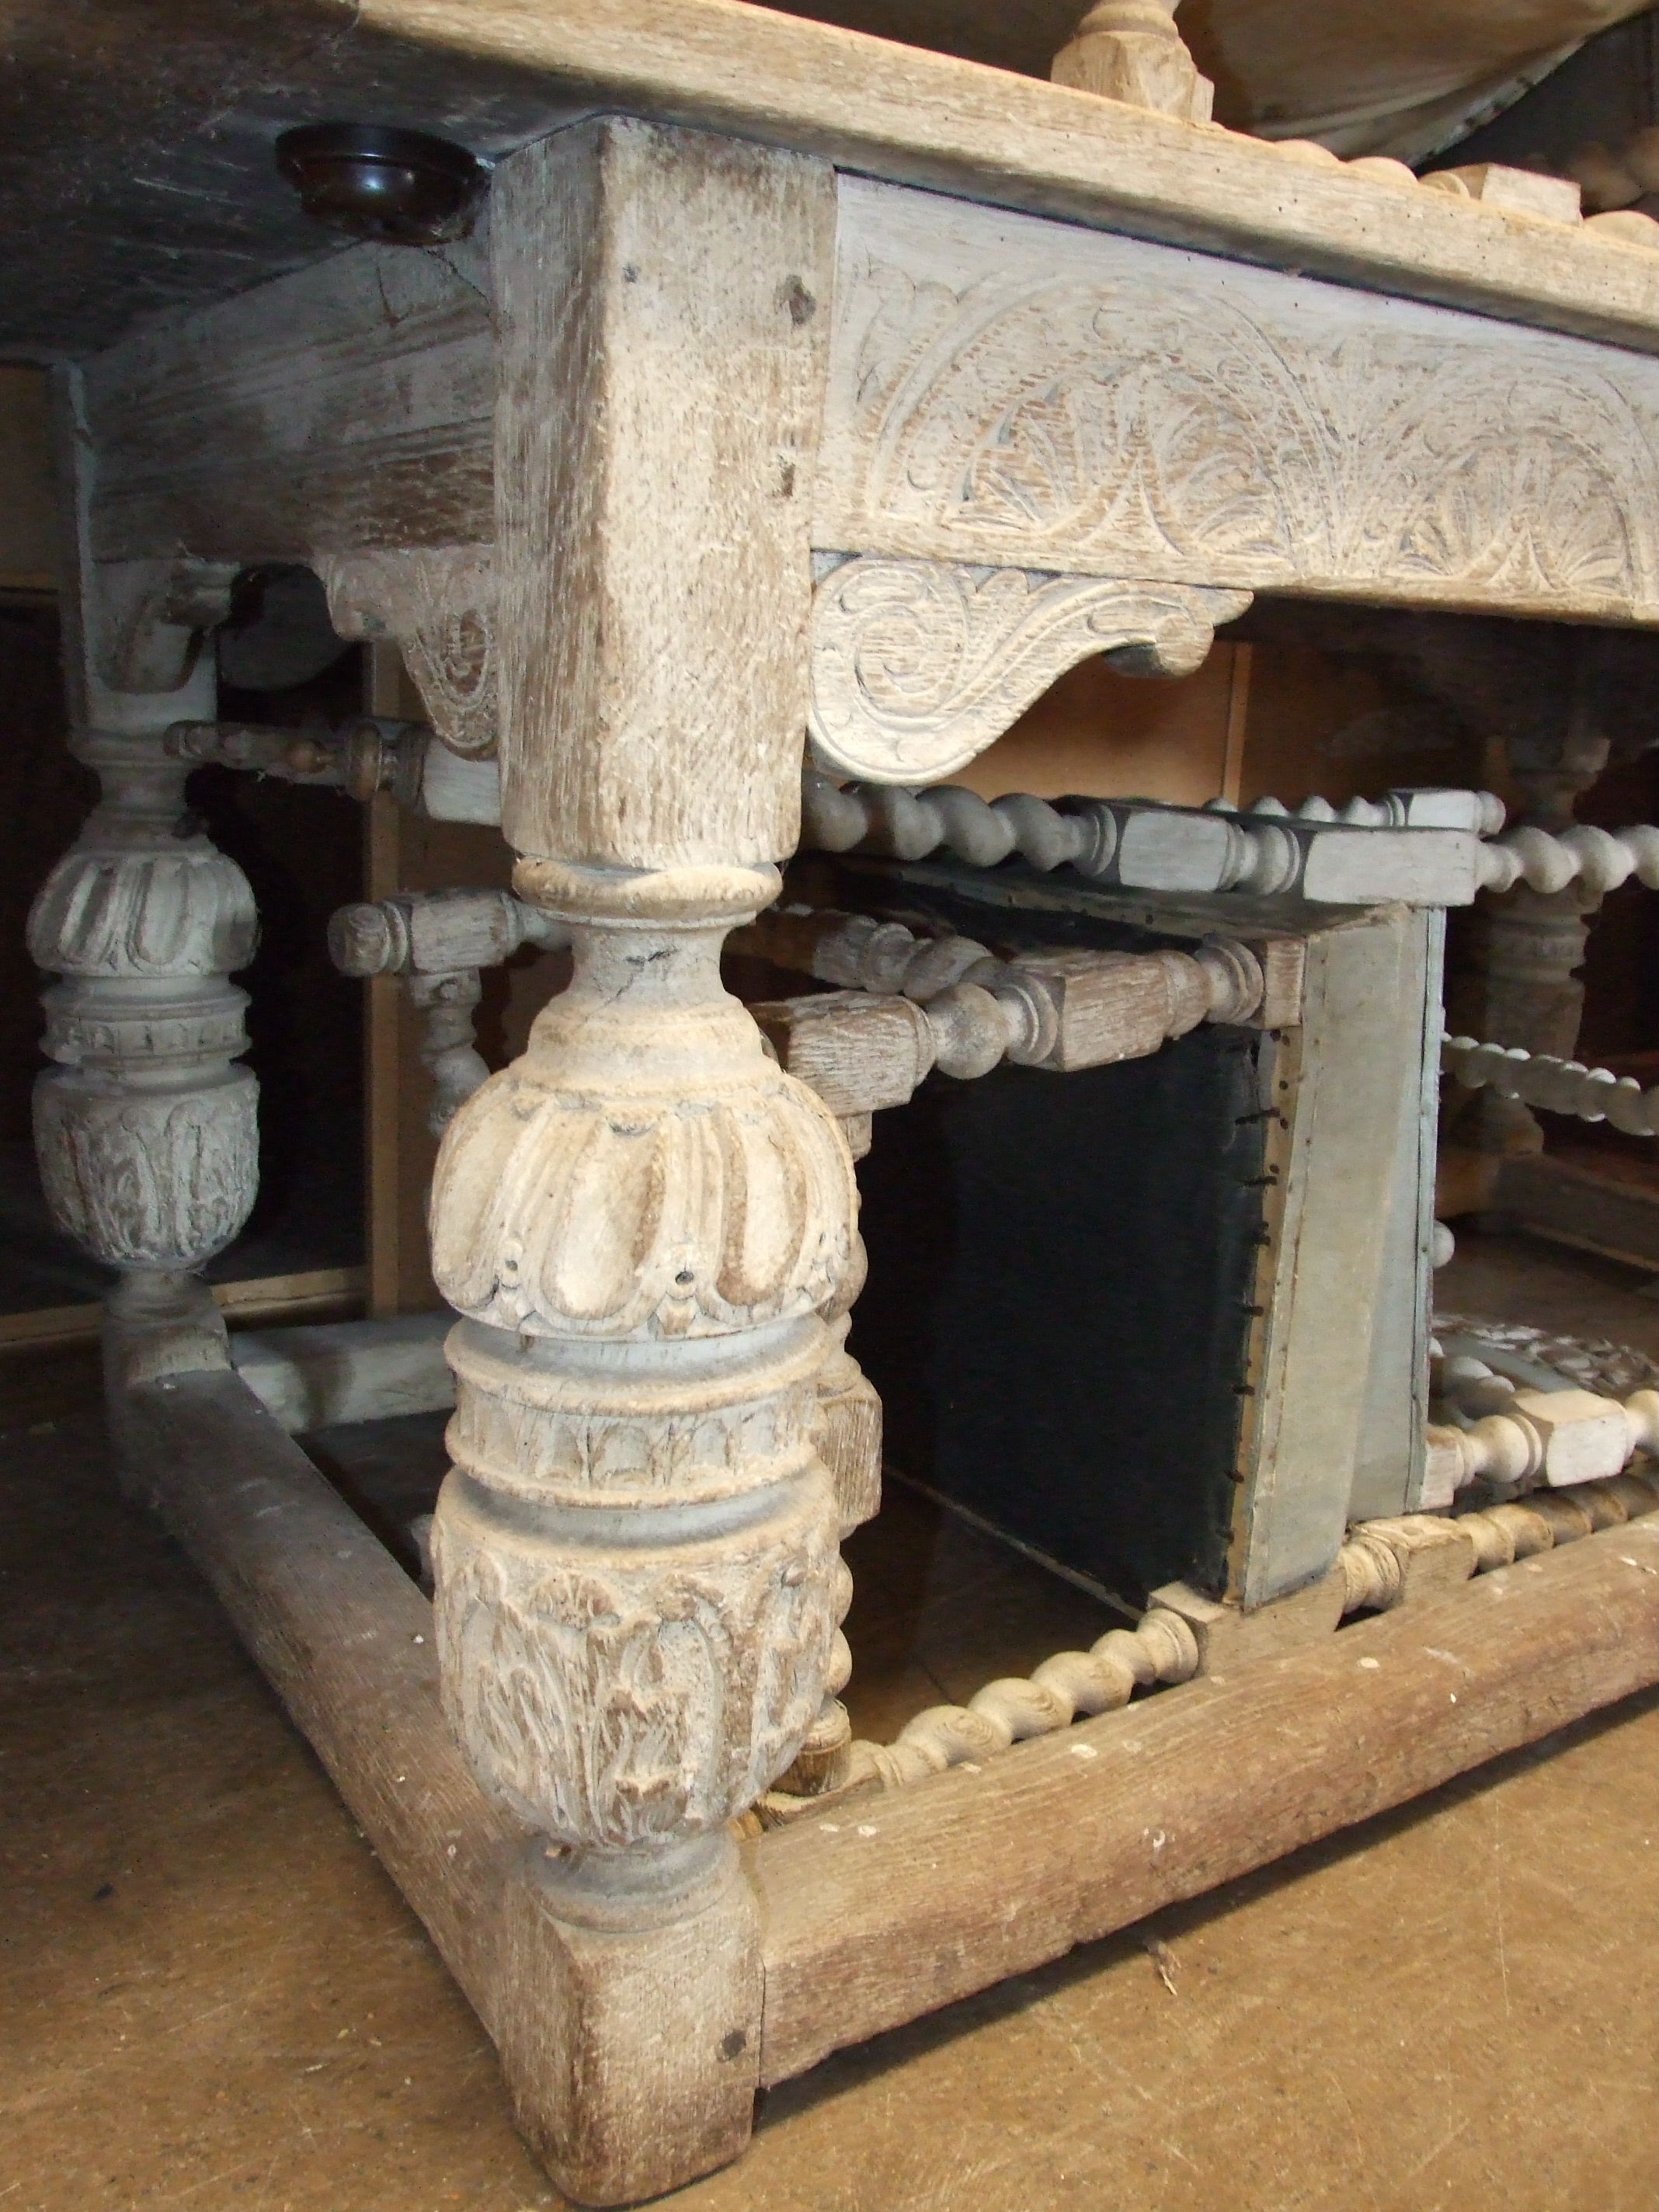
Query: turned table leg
pixel 645 1221
pixel 146 1128
pixel 1518 981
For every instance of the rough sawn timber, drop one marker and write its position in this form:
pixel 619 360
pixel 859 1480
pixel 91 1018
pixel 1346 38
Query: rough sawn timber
pixel 890 1907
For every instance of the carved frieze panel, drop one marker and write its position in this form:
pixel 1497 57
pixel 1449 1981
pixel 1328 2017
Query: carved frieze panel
pixel 918 665
pixel 437 602
pixel 1004 389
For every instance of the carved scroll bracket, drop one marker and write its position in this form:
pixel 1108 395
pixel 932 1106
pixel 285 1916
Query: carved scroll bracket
pixel 918 665
pixel 437 602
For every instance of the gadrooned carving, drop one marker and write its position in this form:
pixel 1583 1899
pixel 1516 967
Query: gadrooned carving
pixel 438 602
pixel 147 1135
pixel 1007 389
pixel 655 1207
pixel 183 911
pixel 615 1697
pixel 918 665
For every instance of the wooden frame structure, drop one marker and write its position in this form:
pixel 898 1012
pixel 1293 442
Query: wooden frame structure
pixel 720 443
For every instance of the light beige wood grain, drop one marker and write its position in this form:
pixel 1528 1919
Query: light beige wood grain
pixel 345 405
pixel 1007 391
pixel 345 1639
pixel 663 312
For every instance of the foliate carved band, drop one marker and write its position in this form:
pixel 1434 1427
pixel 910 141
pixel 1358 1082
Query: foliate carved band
pixel 1005 388
pixel 617 1692
pixel 918 665
pixel 437 604
pixel 567 1425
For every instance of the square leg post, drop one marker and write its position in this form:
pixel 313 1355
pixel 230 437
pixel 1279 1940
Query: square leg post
pixel 644 1221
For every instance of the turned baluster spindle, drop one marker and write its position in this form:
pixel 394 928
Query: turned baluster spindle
pixel 1541 1437
pixel 1560 1087
pixel 647 1225
pixel 1130 49
pixel 1160 1648
pixel 1317 851
pixel 438 942
pixel 146 1127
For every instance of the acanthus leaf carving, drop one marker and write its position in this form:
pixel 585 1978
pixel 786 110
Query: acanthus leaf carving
pixel 152 1179
pixel 615 1696
pixel 918 665
pixel 438 603
pixel 147 1135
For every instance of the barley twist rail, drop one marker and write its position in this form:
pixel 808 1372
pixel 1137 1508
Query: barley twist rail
pixel 1368 849
pixel 1560 1087
pixel 1162 1650
pixel 1544 860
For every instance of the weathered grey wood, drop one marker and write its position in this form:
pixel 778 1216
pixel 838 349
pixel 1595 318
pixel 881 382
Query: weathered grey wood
pixel 311 1377
pixel 664 309
pixel 1007 391
pixel 348 406
pixel 1389 1467
pixel 145 1126
pixel 873 1914
pixel 647 1225
pixel 344 406
pixel 1340 1086
pixel 161 121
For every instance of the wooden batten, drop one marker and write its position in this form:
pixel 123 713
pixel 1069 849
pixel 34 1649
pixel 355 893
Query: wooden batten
pixel 343 1638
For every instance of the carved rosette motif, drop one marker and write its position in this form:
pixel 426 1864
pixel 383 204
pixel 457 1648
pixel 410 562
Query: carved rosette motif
pixel 918 665
pixel 146 1134
pixel 1005 388
pixel 636 1555
pixel 436 602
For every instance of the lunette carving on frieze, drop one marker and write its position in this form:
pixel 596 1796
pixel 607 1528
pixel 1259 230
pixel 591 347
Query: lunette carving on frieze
pixel 1008 389
pixel 918 665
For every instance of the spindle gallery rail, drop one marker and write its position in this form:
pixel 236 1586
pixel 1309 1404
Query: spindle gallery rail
pixel 1378 1568
pixel 1560 1087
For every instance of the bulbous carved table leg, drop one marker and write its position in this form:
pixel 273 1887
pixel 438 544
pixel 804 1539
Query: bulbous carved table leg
pixel 638 1583
pixel 146 1131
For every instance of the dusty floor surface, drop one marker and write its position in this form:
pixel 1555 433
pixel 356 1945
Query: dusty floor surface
pixel 210 1996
